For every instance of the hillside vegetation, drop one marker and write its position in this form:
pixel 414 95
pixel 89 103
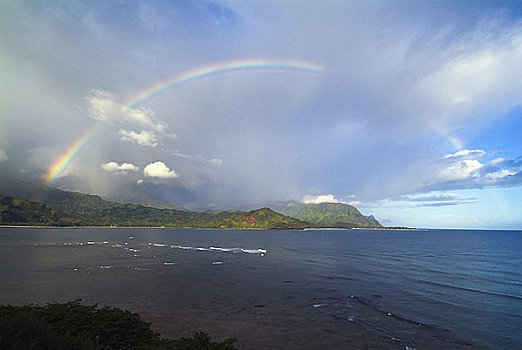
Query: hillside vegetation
pixel 333 215
pixel 87 327
pixel 55 207
pixel 63 208
pixel 21 212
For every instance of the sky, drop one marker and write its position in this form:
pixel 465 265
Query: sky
pixel 409 110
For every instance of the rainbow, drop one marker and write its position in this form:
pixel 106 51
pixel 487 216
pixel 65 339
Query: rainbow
pixel 63 161
pixel 451 138
pixel 222 68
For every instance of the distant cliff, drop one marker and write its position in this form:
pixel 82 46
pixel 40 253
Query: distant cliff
pixel 334 215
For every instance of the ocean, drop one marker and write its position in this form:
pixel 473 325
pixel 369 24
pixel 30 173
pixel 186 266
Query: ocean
pixel 315 289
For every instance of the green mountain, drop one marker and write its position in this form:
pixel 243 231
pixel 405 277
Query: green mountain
pixel 62 208
pixel 51 206
pixel 264 218
pixel 332 215
pixel 21 212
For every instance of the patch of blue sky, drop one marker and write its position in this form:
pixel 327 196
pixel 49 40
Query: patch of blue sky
pixel 490 208
pixel 502 136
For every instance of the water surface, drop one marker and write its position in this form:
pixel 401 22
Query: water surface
pixel 425 289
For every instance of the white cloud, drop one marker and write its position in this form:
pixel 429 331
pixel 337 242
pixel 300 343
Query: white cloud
pixel 476 153
pixel 499 175
pixel 481 76
pixel 3 155
pixel 144 138
pixel 105 107
pixel 461 81
pixel 428 197
pixel 113 167
pixel 324 198
pixel 159 170
pixel 497 161
pixel 460 165
pixel 461 169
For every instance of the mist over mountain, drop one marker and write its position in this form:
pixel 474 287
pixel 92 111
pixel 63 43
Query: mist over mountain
pixel 32 204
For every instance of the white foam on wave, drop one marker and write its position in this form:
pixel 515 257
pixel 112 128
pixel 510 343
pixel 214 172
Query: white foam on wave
pixel 254 251
pixel 234 250
pixel 226 250
pixel 97 243
pixel 160 245
pixel 189 248
pixel 136 268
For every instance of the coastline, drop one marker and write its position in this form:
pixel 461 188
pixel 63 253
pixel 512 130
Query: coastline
pixel 216 228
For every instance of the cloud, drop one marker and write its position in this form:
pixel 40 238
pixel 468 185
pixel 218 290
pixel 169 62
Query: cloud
pixel 461 165
pixel 215 161
pixel 461 169
pixel 324 198
pixel 406 103
pixel 499 175
pixel 436 199
pixel 159 170
pixel 3 155
pixel 481 75
pixel 430 197
pixel 115 168
pixel 144 138
pixel 477 153
pixel 103 106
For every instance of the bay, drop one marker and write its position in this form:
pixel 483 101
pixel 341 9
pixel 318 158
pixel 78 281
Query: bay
pixel 423 289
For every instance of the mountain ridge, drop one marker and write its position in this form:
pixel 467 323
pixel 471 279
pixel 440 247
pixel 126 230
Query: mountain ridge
pixel 63 208
pixel 328 215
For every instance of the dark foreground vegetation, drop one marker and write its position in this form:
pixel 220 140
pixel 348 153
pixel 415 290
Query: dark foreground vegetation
pixel 88 327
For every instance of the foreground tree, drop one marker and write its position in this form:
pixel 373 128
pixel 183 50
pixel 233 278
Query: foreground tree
pixel 87 327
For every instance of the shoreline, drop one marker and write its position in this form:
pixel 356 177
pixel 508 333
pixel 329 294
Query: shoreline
pixel 219 228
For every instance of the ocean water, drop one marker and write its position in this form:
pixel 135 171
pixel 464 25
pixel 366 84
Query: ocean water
pixel 339 289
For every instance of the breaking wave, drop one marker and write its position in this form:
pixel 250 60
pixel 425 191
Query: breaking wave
pixel 235 250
